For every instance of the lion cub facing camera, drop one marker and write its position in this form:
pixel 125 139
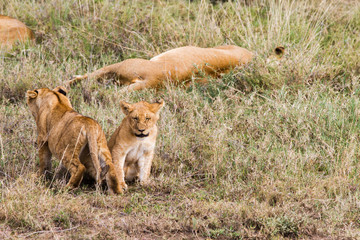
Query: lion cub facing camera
pixel 71 137
pixel 132 144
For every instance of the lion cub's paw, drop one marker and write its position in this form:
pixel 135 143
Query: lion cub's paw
pixel 115 192
pixel 119 189
pixel 146 183
pixel 124 186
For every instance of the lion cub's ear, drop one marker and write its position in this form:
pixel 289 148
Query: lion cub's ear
pixel 31 94
pixel 157 106
pixel 126 107
pixel 61 90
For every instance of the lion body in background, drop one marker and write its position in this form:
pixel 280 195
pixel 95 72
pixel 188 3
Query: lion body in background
pixel 12 30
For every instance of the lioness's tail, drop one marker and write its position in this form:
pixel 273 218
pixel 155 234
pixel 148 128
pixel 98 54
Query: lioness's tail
pixel 100 73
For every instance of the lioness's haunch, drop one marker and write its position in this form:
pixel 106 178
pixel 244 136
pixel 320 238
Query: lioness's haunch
pixel 12 30
pixel 178 65
pixel 132 144
pixel 72 138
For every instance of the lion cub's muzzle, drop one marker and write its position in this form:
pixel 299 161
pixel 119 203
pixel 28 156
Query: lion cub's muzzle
pixel 141 134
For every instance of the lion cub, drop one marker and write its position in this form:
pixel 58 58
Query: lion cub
pixel 71 137
pixel 132 144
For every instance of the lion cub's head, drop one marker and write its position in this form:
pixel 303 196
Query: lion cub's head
pixel 142 116
pixel 44 97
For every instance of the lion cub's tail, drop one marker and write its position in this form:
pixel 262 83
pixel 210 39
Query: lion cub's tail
pixel 101 158
pixel 92 137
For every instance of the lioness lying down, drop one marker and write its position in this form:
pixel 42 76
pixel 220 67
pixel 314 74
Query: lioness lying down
pixel 71 137
pixel 178 65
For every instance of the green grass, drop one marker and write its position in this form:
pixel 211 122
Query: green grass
pixel 267 151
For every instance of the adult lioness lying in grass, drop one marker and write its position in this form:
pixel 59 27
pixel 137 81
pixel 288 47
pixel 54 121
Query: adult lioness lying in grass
pixel 177 66
pixel 71 137
pixel 12 30
pixel 132 144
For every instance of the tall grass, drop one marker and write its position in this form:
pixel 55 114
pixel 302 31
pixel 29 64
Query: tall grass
pixel 267 151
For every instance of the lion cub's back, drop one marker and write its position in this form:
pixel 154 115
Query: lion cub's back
pixel 72 132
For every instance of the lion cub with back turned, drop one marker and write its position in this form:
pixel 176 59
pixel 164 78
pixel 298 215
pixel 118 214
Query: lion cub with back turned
pixel 76 140
pixel 132 144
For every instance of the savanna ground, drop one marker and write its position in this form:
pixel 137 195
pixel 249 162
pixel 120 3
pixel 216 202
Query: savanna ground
pixel 267 151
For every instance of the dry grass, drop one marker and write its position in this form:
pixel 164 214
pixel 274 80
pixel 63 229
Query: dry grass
pixel 268 151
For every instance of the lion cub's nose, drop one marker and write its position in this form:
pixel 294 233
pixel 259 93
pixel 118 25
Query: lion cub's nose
pixel 141 130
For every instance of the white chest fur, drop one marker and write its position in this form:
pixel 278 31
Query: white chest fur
pixel 138 151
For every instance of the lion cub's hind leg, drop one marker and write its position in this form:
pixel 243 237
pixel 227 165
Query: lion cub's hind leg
pixel 76 169
pixel 72 162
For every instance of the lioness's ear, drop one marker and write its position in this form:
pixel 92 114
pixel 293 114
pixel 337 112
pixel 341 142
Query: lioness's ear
pixel 61 90
pixel 279 51
pixel 31 94
pixel 126 107
pixel 157 106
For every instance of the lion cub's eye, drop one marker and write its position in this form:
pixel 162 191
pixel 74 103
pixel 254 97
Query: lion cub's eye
pixel 147 119
pixel 135 118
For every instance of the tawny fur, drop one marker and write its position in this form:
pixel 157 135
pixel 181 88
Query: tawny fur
pixel 132 144
pixel 71 138
pixel 12 30
pixel 178 66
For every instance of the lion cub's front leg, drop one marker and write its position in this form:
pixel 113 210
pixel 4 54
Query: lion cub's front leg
pixel 119 161
pixel 144 164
